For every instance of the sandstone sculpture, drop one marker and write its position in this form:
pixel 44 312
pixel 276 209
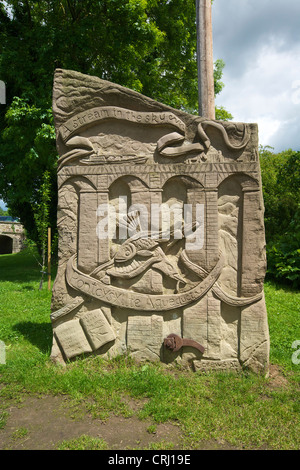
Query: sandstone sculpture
pixel 161 232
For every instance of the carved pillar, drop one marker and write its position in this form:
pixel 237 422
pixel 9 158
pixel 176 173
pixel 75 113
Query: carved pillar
pixel 214 333
pixel 197 196
pixel 212 242
pixel 103 244
pixel 155 198
pixel 253 249
pixel 87 236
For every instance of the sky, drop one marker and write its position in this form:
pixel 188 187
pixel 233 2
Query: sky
pixel 259 41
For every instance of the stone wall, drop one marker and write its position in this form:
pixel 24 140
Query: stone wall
pixel 11 237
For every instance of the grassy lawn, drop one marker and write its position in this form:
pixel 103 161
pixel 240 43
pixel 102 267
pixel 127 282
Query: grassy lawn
pixel 244 410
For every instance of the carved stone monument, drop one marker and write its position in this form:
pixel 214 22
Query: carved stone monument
pixel 161 232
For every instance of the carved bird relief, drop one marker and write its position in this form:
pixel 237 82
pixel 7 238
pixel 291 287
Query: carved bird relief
pixel 137 254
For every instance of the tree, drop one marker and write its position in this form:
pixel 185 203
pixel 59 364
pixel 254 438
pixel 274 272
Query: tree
pixel 42 222
pixel 146 45
pixel 281 190
pixel 3 212
pixel 221 113
pixel 27 150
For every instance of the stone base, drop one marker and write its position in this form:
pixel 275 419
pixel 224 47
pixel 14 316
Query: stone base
pixel 221 366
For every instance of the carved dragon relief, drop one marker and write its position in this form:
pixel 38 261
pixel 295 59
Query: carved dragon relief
pixel 93 151
pixel 236 137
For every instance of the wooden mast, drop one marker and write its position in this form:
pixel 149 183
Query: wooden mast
pixel 206 93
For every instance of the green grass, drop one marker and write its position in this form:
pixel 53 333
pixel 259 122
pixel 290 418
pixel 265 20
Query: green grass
pixel 244 410
pixel 283 305
pixel 19 434
pixel 83 443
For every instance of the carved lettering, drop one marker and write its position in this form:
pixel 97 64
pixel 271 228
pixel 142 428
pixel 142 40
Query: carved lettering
pixel 148 302
pixel 112 112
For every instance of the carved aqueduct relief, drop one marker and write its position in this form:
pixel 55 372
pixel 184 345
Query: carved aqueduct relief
pixel 161 234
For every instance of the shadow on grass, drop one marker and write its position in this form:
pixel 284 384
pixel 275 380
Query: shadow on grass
pixel 282 284
pixel 38 334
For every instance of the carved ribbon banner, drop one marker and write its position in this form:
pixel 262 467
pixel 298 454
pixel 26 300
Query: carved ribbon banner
pixel 217 290
pixel 88 285
pixel 96 115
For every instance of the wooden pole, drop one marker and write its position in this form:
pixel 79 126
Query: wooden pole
pixel 206 92
pixel 49 258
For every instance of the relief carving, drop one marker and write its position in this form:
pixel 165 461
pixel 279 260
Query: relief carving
pixel 161 237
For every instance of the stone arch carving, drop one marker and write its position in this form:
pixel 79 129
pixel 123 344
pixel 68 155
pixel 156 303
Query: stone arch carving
pixel 196 180
pixel 244 178
pixel 135 197
pixel 81 182
pixel 131 180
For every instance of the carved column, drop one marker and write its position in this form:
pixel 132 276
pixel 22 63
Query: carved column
pixel 253 249
pixel 212 241
pixel 87 235
pixel 103 244
pixel 197 196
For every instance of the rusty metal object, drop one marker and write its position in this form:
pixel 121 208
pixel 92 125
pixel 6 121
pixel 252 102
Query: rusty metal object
pixel 174 343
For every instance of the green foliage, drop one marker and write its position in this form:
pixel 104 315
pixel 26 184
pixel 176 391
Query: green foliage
pixel 3 212
pixel 41 211
pixel 222 114
pixel 27 150
pixel 146 45
pixel 41 217
pixel 218 73
pixel 284 255
pixel 281 190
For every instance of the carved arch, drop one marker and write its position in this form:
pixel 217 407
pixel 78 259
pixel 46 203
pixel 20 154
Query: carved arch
pixel 190 180
pixel 131 180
